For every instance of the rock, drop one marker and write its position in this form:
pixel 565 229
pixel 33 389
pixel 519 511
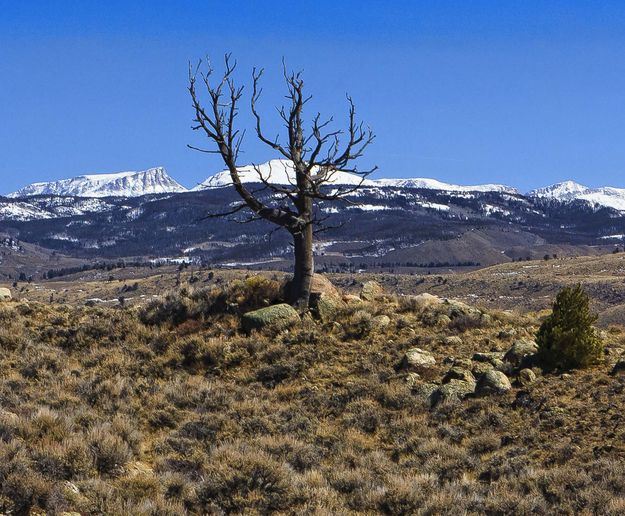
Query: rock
pixel 425 300
pixel 371 290
pixel 458 308
pixel 479 368
pixel 351 299
pixel 5 294
pixel 443 320
pixel 424 391
pixel 326 306
pixel 459 373
pixel 381 321
pixel 453 340
pixel 322 285
pixel 319 285
pixel 277 317
pixel 413 379
pixel 486 319
pixel 463 363
pixel 500 365
pixel 417 358
pixel 487 357
pixel 452 390
pixel 506 334
pixel 519 350
pixel 493 382
pixel 526 377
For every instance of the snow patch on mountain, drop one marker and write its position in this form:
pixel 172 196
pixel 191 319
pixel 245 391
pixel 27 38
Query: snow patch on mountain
pixel 21 211
pixel 123 184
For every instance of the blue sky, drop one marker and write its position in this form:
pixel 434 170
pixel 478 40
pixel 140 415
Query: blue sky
pixel 525 93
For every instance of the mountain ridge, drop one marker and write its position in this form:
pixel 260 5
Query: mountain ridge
pixel 156 180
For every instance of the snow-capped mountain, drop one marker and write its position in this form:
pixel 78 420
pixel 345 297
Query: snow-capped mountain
pixel 564 191
pixel 281 172
pixel 605 196
pixel 123 184
pixel 276 171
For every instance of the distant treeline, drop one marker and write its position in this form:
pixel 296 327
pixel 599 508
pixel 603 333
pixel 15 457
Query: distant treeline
pixel 103 266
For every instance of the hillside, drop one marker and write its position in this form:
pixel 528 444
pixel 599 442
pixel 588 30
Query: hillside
pixel 393 225
pixel 185 414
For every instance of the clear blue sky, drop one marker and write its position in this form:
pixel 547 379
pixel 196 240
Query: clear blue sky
pixel 520 92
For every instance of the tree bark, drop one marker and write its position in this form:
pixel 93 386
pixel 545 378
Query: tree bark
pixel 304 268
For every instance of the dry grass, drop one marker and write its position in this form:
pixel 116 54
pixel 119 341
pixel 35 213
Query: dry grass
pixel 104 414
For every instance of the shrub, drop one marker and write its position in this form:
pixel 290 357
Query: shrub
pixel 110 451
pixel 239 296
pixel 567 338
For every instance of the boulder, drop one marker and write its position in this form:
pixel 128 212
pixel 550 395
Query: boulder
pixel 519 351
pixel 416 358
pixel 453 340
pixel 493 382
pixel 487 357
pixel 322 285
pixel 479 368
pixel 424 391
pixel 452 391
pixel 526 377
pixel 463 363
pixel 381 321
pixel 276 317
pixel 319 285
pixel 458 308
pixel 5 294
pixel 351 299
pixel 413 380
pixel 425 300
pixel 326 306
pixel 500 365
pixel 443 320
pixel 370 290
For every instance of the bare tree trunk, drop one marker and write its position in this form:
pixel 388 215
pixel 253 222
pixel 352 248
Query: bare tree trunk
pixel 304 268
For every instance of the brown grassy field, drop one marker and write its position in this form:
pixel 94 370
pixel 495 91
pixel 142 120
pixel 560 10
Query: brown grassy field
pixel 172 409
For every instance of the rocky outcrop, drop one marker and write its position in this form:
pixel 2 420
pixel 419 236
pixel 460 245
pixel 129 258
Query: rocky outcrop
pixel 5 294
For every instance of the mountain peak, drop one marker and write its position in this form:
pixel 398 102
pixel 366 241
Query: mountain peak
pixel 564 191
pixel 154 180
pixel 276 171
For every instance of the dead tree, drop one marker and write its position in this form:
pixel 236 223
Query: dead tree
pixel 317 156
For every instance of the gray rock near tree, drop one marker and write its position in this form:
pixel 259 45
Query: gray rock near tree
pixel 276 317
